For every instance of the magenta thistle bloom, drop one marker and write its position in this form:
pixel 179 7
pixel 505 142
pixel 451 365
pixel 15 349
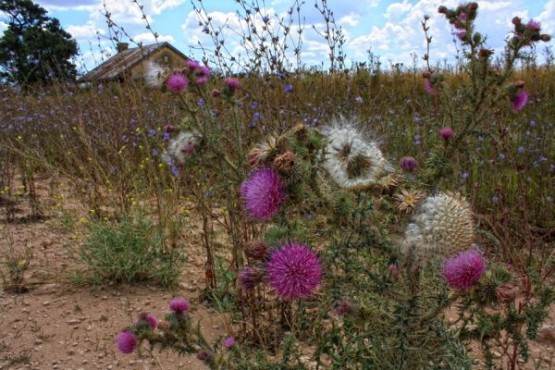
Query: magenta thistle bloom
pixel 228 342
pixel 446 133
pixel 149 319
pixel 192 64
pixel 534 25
pixel 519 100
pixel 461 35
pixel 179 305
pixel 408 164
pixel 294 271
pixel 177 82
pixel 232 83
pixel 464 270
pixel 202 75
pixel 429 87
pixel 263 194
pixel 126 342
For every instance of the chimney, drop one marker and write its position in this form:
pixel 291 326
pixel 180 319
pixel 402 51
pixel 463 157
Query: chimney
pixel 122 46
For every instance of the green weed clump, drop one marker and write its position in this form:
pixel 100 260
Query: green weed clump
pixel 130 252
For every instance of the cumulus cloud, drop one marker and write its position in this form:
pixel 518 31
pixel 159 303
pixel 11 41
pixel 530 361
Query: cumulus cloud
pixel 401 37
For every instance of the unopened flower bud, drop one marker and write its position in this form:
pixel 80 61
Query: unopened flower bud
pixel 506 293
pixel 164 325
pixel 442 10
pixel 485 53
pixel 446 133
pixel 516 21
pixel 216 93
pixel 343 308
pixel 257 250
pixel 472 7
pixel 545 37
pixel 285 162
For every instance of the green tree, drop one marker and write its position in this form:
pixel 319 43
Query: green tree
pixel 34 47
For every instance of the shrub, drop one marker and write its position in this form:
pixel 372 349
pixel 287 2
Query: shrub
pixel 129 252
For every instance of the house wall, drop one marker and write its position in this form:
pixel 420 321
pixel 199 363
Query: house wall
pixel 165 57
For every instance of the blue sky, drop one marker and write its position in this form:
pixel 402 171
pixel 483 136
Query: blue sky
pixel 390 28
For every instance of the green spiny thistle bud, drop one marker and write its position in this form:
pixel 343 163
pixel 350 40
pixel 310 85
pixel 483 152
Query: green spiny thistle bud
pixel 343 204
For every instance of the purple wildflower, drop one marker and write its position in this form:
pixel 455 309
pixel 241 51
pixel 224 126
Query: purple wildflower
pixel 461 35
pixel 288 88
pixel 464 270
pixel 192 64
pixel 179 305
pixel 228 342
pixel 408 164
pixel 177 82
pixel 232 83
pixel 534 25
pixel 263 194
pixel 294 271
pixel 446 133
pixel 519 100
pixel 203 73
pixel 429 87
pixel 149 319
pixel 126 342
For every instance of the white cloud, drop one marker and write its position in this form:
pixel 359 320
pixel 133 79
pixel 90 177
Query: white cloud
pixel 547 19
pixel 148 38
pixel 401 36
pixel 396 11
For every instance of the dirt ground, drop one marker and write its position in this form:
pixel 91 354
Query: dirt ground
pixel 57 325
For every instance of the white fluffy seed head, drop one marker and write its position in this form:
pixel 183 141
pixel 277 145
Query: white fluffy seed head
pixel 155 75
pixel 353 161
pixel 442 227
pixel 182 147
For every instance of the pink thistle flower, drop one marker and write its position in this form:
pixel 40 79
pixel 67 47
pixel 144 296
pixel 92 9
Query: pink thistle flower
pixel 461 35
pixel 192 64
pixel 263 194
pixel 179 305
pixel 149 319
pixel 177 82
pixel 232 83
pixel 203 73
pixel 534 25
pixel 126 342
pixel 408 164
pixel 228 342
pixel 519 100
pixel 429 87
pixel 394 270
pixel 464 270
pixel 446 133
pixel 294 271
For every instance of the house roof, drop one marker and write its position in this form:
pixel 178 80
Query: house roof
pixel 117 65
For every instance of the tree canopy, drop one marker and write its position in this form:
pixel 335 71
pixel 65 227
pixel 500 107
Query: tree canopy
pixel 34 47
